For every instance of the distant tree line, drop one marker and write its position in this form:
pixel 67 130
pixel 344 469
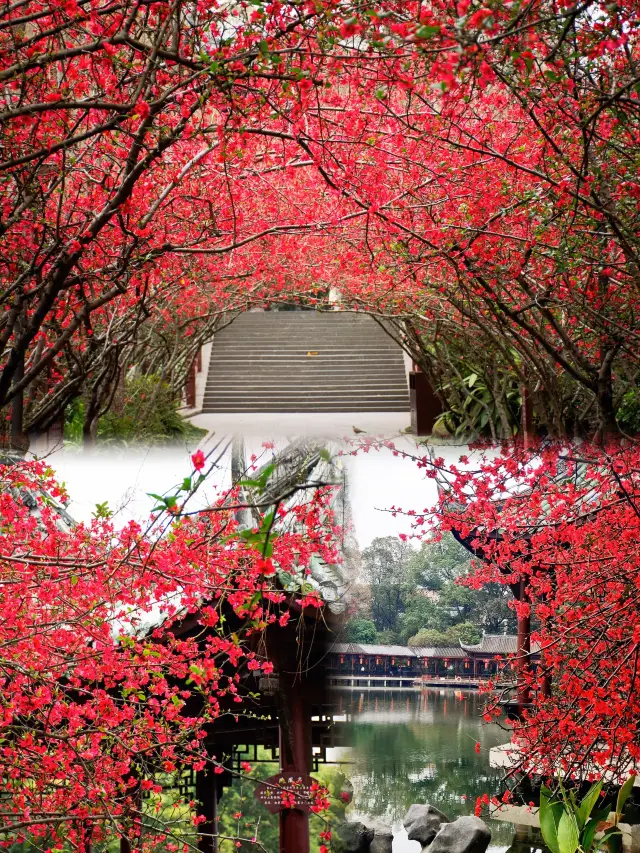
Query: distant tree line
pixel 416 597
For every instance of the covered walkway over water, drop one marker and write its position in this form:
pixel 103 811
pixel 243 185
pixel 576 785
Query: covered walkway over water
pixel 368 665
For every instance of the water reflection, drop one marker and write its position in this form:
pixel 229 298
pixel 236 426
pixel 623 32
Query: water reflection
pixel 420 747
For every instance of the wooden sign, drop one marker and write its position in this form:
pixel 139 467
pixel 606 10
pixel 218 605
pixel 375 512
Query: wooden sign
pixel 287 790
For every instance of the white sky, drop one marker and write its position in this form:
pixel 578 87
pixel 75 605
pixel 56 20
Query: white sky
pixel 377 480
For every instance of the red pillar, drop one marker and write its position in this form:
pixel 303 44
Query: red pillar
pixel 295 757
pixel 207 797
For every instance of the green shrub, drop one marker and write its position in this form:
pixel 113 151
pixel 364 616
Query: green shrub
pixel 628 415
pixel 569 826
pixel 144 411
pixel 360 631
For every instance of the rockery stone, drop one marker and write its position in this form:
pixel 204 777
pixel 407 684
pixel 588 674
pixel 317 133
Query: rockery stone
pixel 464 835
pixel 352 838
pixel 422 822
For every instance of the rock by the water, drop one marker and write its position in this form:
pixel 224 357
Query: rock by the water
pixel 422 822
pixel 383 837
pixel 381 844
pixel 465 835
pixel 352 838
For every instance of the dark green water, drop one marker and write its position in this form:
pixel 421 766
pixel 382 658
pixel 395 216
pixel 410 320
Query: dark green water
pixel 420 747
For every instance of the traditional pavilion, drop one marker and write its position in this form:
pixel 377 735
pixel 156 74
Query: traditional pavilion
pixel 395 664
pixel 288 713
pixel 291 715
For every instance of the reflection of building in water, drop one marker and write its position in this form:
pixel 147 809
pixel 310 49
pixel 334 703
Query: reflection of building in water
pixel 429 771
pixel 364 665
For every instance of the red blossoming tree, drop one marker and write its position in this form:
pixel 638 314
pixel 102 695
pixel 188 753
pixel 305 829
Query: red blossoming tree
pixel 104 700
pixel 561 524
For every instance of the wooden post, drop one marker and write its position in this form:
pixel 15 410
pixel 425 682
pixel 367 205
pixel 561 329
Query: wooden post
pixel 207 797
pixel 295 757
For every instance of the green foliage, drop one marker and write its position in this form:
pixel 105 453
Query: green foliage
pixel 468 633
pixel 145 411
pixel 386 567
pixel 568 825
pixel 388 638
pixel 438 562
pixel 420 613
pixel 102 510
pixel 476 407
pixel 416 591
pixel 73 421
pixel 465 632
pixel 360 630
pixel 628 414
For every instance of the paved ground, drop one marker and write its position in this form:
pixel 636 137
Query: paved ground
pixel 322 425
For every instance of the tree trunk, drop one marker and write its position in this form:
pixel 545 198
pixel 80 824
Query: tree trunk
pixel 18 438
pixel 604 395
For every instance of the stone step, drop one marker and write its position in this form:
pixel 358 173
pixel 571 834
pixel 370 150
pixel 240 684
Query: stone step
pixel 303 408
pixel 325 358
pixel 259 363
pixel 295 386
pixel 329 377
pixel 322 342
pixel 310 396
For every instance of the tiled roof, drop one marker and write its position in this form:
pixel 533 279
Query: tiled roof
pixel 372 650
pixel 497 644
pixel 439 652
pixel 492 644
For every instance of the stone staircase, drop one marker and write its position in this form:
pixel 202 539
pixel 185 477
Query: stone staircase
pixel 305 361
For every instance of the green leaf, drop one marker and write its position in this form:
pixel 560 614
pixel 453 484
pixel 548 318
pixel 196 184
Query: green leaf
pixel 426 32
pixel 588 802
pixel 102 510
pixel 186 484
pixel 251 536
pixel 324 454
pixel 550 814
pixel 588 834
pixel 568 837
pixel 623 794
pixel 267 520
pixel 613 840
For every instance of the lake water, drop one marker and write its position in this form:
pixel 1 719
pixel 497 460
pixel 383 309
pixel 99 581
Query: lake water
pixel 420 747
